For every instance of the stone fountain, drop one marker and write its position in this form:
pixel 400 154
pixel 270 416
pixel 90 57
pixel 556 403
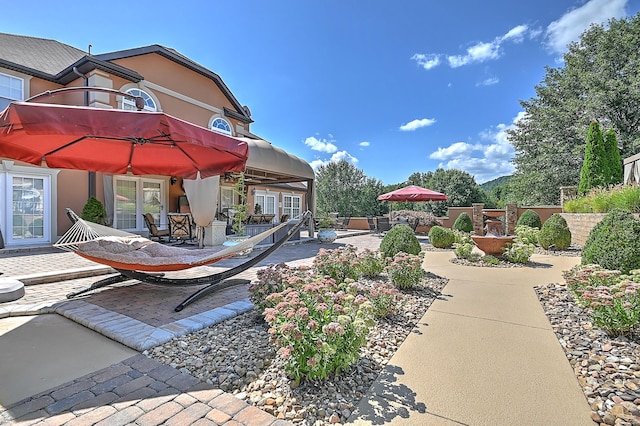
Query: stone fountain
pixel 494 239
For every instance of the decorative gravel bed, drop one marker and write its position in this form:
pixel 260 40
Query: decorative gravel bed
pixel 608 369
pixel 236 356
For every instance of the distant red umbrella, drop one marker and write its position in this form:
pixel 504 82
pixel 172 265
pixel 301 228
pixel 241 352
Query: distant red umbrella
pixel 116 141
pixel 413 193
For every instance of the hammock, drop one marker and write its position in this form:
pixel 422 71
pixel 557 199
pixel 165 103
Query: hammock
pixel 138 258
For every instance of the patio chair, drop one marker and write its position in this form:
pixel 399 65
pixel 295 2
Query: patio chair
pixel 344 223
pixel 180 228
pixel 138 258
pixel 372 225
pixel 154 233
pixel 383 225
pixel 284 218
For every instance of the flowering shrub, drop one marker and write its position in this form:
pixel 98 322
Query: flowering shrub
pixel 370 263
pixel 612 299
pixel 527 234
pixel 405 270
pixel 274 279
pixel 318 328
pixel 340 263
pixel 383 298
pixel 518 252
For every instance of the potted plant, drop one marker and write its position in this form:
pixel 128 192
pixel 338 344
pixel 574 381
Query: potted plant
pixel 239 218
pixel 326 232
pixel 257 209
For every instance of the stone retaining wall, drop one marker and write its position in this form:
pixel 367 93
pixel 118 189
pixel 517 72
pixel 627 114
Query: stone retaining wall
pixel 580 224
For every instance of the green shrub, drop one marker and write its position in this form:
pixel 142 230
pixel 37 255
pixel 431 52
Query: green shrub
pixel 555 231
pixel 339 263
pixel 461 237
pixel 405 270
pixel 370 264
pixel 603 200
pixel 518 252
pixel 400 238
pixel 441 237
pixel 614 243
pixel 527 235
pixel 463 251
pixel 490 260
pixel 93 211
pixel 463 223
pixel 530 218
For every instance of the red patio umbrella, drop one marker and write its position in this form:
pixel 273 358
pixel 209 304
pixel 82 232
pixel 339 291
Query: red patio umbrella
pixel 413 193
pixel 116 141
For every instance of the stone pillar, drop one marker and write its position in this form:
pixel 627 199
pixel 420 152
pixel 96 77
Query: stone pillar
pixel 511 218
pixel 567 193
pixel 478 218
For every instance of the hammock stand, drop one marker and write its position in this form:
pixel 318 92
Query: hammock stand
pixel 83 231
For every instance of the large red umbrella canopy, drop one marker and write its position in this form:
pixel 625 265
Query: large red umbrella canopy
pixel 116 141
pixel 413 193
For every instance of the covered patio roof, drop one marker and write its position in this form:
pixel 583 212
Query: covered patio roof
pixel 268 164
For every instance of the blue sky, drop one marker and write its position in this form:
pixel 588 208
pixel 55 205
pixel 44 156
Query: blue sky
pixel 394 87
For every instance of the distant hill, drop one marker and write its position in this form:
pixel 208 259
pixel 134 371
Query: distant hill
pixel 502 180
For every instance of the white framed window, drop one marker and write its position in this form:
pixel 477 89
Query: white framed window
pixel 130 104
pixel 135 196
pixel 221 125
pixel 11 89
pixel 266 201
pixel 292 205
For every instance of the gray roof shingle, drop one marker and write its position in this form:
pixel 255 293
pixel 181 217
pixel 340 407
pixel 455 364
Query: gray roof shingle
pixel 44 55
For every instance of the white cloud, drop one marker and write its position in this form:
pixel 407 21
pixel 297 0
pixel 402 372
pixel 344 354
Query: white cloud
pixel 485 161
pixel 516 34
pixel 365 144
pixel 321 145
pixel 427 61
pixel 571 25
pixel 340 155
pixel 416 124
pixel 488 51
pixel 489 82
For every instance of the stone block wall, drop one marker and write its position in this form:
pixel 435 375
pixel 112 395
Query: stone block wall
pixel 580 224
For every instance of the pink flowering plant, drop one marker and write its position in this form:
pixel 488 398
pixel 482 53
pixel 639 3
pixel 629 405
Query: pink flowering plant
pixel 612 299
pixel 340 263
pixel 369 264
pixel 383 298
pixel 274 279
pixel 405 270
pixel 319 327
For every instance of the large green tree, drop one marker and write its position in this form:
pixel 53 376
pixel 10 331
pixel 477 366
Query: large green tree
pixel 342 187
pixel 599 81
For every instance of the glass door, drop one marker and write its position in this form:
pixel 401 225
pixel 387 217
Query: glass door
pixel 30 199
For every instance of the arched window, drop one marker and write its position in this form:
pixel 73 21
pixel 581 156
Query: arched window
pixel 221 125
pixel 130 104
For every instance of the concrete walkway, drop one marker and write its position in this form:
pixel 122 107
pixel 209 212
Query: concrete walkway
pixel 484 354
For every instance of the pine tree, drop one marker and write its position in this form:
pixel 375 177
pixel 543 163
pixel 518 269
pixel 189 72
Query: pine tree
pixel 594 167
pixel 612 153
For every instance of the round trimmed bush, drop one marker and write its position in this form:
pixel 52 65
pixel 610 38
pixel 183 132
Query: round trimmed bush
pixel 399 238
pixel 555 231
pixel 614 243
pixel 530 218
pixel 463 223
pixel 441 237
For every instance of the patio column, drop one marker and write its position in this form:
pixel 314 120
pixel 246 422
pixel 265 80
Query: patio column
pixel 478 218
pixel 511 218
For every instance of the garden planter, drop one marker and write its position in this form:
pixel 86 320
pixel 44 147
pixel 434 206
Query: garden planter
pixel 327 236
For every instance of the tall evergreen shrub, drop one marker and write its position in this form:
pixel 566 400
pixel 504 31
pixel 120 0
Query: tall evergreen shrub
pixel 614 160
pixel 595 166
pixel 463 223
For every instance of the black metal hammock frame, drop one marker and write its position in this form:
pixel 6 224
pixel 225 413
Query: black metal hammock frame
pixel 86 231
